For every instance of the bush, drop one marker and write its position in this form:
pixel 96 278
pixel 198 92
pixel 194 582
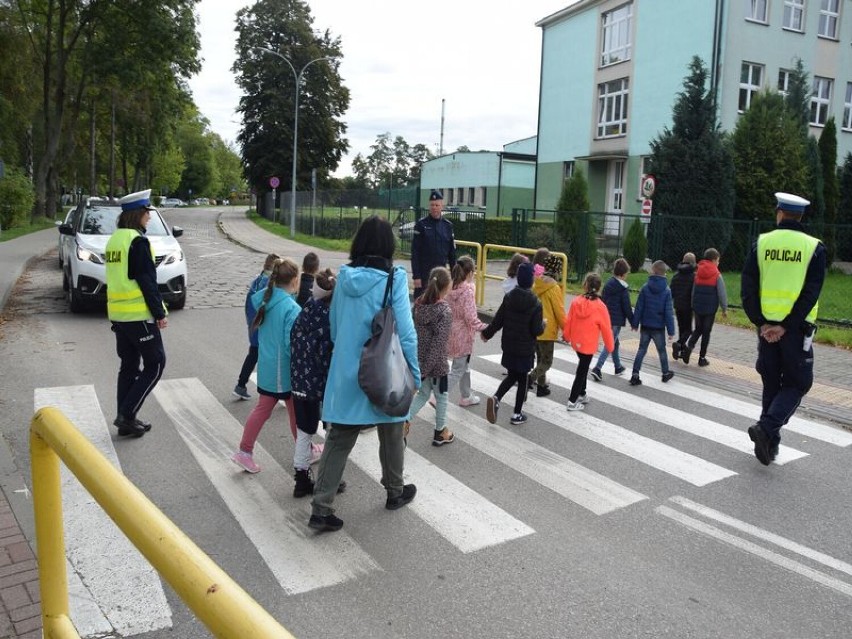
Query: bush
pixel 16 199
pixel 635 246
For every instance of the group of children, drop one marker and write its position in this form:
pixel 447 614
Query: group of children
pixel 290 342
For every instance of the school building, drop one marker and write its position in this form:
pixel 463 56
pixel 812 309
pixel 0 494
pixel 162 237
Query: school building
pixel 611 71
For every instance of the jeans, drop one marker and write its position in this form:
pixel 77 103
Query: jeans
pixel 428 385
pixel 460 371
pixel 248 366
pixel 616 357
pixel 703 326
pixel 646 335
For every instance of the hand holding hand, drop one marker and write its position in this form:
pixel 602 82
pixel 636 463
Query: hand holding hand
pixel 162 323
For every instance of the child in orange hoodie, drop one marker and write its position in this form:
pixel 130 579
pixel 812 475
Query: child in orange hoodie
pixel 586 322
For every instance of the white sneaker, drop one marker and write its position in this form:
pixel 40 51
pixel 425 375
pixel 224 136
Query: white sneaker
pixel 578 405
pixel 473 400
pixel 583 399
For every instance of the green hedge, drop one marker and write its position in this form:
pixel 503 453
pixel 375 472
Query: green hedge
pixel 16 199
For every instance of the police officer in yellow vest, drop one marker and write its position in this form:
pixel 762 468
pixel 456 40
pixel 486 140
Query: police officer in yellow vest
pixel 781 282
pixel 136 310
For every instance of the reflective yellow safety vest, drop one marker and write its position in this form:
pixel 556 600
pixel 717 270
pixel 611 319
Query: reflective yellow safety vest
pixel 783 257
pixel 125 302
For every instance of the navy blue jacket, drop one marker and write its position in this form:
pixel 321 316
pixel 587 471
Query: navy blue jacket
pixel 140 267
pixel 310 350
pixel 616 296
pixel 654 306
pixel 433 245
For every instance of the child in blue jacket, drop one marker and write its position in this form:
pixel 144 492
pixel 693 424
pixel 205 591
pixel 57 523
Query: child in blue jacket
pixel 654 314
pixel 259 283
pixel 616 296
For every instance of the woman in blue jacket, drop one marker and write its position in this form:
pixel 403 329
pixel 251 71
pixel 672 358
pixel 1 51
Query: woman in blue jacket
pixel 357 298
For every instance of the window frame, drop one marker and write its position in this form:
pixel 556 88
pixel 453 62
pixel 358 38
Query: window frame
pixel 846 123
pixel 616 35
pixel 751 11
pixel 793 8
pixel 567 170
pixel 820 104
pixel 608 102
pixel 787 73
pixel 749 87
pixel 829 17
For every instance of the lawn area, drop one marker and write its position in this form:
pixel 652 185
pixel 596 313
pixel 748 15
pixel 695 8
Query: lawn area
pixel 835 303
pixel 302 238
pixel 18 231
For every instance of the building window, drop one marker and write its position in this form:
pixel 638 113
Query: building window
pixel 471 195
pixel 784 81
pixel 567 170
pixel 829 15
pixel 756 10
pixel 751 78
pixel 820 100
pixel 484 192
pixel 460 195
pixel 794 14
pixel 616 34
pixel 450 196
pixel 847 108
pixel 612 108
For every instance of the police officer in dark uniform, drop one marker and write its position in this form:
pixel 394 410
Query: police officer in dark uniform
pixel 433 243
pixel 781 283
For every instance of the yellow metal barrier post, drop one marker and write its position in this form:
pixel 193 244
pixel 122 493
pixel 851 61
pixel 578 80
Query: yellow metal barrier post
pixel 479 279
pixel 515 249
pixel 216 599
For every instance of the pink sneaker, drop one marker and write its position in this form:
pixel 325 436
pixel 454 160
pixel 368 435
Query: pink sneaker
pixel 316 452
pixel 244 460
pixel 473 400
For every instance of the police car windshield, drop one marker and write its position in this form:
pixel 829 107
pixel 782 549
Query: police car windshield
pixel 101 220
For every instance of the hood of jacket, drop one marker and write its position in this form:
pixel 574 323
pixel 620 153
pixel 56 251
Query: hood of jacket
pixel 657 284
pixel 543 284
pixel 520 299
pixel 583 307
pixel 686 268
pixel 278 296
pixel 427 314
pixel 356 281
pixel 707 272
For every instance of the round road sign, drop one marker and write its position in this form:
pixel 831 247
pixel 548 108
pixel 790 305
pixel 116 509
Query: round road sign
pixel 646 207
pixel 274 182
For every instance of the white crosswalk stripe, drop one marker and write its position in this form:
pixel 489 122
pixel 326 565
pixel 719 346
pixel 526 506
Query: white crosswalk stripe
pixel 103 599
pixel 709 397
pixel 707 429
pixel 300 560
pixel 661 456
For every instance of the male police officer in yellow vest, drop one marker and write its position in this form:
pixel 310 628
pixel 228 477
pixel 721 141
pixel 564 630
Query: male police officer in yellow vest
pixel 781 282
pixel 136 311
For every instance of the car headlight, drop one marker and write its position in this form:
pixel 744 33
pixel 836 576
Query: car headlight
pixel 85 255
pixel 175 256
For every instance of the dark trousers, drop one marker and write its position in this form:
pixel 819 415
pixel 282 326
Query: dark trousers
pixel 248 366
pixel 787 372
pixel 135 342
pixel 684 325
pixel 578 388
pixel 514 377
pixel 307 414
pixel 703 326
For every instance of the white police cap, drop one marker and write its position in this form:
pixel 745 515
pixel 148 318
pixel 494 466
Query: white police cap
pixel 791 203
pixel 138 200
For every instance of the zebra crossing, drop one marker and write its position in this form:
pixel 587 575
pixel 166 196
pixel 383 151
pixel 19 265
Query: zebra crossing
pixel 302 562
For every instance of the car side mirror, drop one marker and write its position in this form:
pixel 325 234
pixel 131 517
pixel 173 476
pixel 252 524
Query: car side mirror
pixel 66 229
pixel 177 231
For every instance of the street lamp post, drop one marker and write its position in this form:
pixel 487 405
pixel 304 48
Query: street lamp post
pixel 298 78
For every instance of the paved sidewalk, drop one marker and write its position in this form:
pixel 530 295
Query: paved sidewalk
pixel 20 610
pixel 732 352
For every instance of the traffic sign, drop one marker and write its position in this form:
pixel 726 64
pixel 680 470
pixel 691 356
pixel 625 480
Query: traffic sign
pixel 649 184
pixel 646 206
pixel 274 182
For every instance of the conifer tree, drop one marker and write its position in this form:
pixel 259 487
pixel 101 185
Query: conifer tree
pixel 830 187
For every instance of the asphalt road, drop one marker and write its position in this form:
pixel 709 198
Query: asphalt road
pixel 643 516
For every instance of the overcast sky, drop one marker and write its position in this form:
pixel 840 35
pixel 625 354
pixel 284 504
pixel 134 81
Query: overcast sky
pixel 400 59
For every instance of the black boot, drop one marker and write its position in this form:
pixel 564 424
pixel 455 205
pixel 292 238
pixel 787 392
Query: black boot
pixel 304 484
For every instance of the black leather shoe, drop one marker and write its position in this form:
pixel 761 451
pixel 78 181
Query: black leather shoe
pixel 325 523
pixel 762 448
pixel 145 425
pixel 130 427
pixel 408 492
pixel 542 391
pixel 685 352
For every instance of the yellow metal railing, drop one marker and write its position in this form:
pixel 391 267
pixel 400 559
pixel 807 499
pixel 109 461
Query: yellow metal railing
pixel 483 267
pixel 216 599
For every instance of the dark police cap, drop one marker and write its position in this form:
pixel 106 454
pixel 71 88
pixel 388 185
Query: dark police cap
pixel 436 195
